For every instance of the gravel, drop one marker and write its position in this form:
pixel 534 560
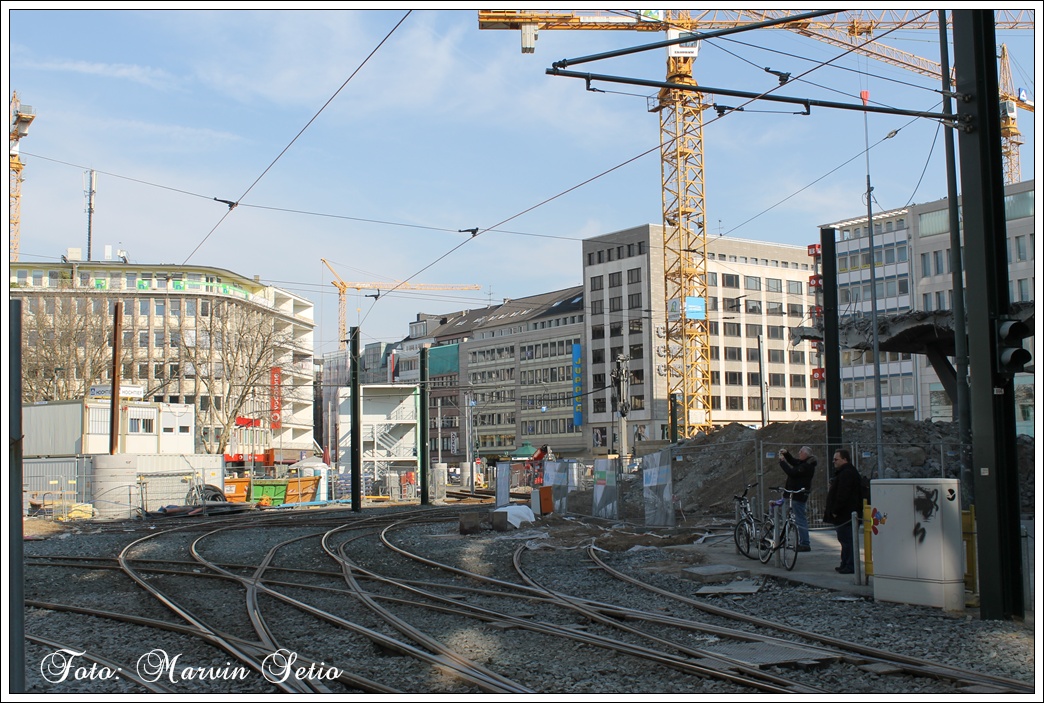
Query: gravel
pixel 555 559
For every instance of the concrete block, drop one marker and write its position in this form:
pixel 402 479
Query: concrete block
pixel 470 523
pixel 714 573
pixel 500 521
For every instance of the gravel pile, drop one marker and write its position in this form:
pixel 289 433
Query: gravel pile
pixel 555 558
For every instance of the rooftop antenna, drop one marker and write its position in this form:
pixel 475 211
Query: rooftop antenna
pixel 92 181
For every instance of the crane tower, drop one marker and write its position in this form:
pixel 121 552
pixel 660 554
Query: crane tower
pixel 681 146
pixel 343 287
pixel 21 117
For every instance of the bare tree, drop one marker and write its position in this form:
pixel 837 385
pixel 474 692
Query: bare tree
pixel 66 343
pixel 229 353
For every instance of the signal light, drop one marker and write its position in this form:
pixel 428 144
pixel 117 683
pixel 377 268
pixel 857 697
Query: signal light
pixel 1012 357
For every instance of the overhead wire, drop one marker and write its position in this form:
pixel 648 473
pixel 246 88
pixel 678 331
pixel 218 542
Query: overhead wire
pixel 268 168
pixel 494 228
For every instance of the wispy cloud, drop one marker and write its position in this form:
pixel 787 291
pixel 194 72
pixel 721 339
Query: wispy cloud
pixel 152 77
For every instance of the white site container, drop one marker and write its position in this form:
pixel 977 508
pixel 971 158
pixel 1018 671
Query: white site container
pixel 917 547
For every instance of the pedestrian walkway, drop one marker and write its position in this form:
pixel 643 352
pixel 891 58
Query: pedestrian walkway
pixel 815 568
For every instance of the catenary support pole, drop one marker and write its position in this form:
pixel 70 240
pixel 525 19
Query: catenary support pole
pixel 356 431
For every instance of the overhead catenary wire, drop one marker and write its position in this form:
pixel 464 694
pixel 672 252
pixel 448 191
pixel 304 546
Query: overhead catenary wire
pixel 485 230
pixel 268 168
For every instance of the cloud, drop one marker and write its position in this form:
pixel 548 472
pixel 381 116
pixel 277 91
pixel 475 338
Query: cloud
pixel 152 77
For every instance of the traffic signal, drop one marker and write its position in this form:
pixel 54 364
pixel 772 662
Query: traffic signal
pixel 1012 357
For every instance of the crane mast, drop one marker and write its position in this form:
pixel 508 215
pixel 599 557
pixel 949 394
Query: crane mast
pixel 682 154
pixel 21 117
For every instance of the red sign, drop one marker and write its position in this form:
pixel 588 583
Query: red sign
pixel 815 281
pixel 819 404
pixel 816 311
pixel 248 422
pixel 815 249
pixel 819 374
pixel 276 406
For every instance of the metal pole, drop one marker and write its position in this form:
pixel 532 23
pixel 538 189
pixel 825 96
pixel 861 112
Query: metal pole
pixel 873 311
pixel 962 403
pixel 762 380
pixel 424 467
pixel 353 361
pixel 438 415
pixel 625 388
pixel 992 392
pixel 467 444
pixel 16 596
pixel 90 209
pixel 114 402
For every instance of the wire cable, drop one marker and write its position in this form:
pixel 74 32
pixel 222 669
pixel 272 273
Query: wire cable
pixel 257 180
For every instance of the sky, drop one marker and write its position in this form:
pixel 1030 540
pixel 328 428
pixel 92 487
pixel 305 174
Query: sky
pixel 371 138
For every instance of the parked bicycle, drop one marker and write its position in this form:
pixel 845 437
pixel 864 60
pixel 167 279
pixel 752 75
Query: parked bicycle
pixel 747 525
pixel 784 536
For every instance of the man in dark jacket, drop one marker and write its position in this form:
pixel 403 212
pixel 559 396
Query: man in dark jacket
pixel 843 498
pixel 799 475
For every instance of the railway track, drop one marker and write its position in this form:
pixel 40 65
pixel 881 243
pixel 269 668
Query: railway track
pixel 397 601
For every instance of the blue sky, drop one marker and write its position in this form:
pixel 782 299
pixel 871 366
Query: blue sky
pixel 445 127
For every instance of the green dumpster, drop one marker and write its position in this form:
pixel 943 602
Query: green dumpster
pixel 275 490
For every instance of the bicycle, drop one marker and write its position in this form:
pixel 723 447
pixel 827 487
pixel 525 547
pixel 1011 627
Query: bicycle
pixel 747 526
pixel 786 536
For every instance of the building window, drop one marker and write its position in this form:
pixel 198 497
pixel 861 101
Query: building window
pixel 797 357
pixel 733 378
pixel 752 354
pixel 926 265
pixel 634 275
pixel 753 331
pixel 616 304
pixel 597 332
pixel 797 380
pixel 778 380
pixel 775 331
pixel 733 354
pixel 729 280
pixel 795 287
pixel 596 307
pixel 634 301
pixel 795 310
pixel 775 356
pixel 1020 248
pixel 754 402
pixel 797 405
pixel 733 402
pixel 732 329
pixel 753 379
pixel 777 404
pixel 615 279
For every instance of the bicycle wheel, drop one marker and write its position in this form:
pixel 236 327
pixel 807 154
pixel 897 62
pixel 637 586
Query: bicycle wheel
pixel 743 537
pixel 789 544
pixel 765 546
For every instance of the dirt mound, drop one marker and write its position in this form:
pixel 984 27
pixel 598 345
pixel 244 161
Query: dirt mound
pixel 710 469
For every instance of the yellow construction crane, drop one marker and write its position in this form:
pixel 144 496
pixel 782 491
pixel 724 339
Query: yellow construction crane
pixel 681 146
pixel 343 287
pixel 1011 100
pixel 21 117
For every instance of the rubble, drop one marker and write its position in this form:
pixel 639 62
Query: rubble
pixel 710 469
